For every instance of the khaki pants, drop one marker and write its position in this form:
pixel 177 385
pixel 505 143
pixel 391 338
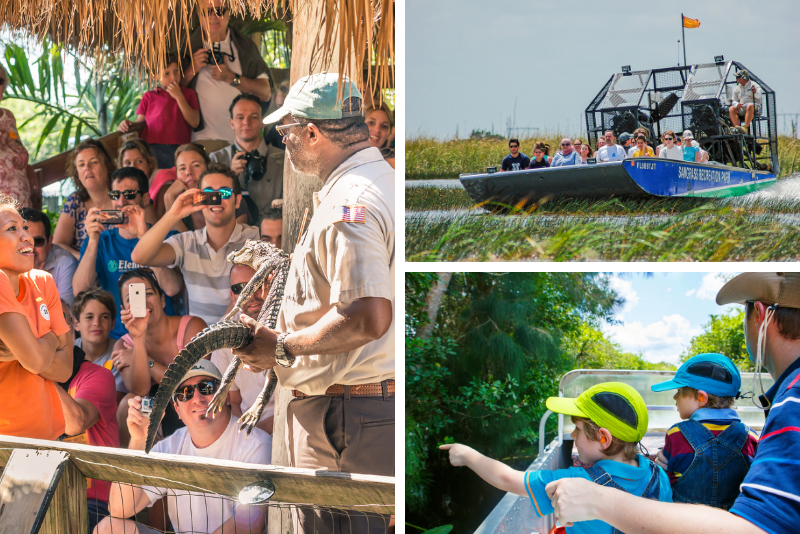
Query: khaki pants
pixel 354 436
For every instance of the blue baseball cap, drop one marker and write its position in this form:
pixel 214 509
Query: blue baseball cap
pixel 710 372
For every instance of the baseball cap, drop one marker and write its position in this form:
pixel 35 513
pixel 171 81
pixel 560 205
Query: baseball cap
pixel 711 372
pixel 612 405
pixel 771 288
pixel 202 368
pixel 687 134
pixel 743 74
pixel 625 136
pixel 316 96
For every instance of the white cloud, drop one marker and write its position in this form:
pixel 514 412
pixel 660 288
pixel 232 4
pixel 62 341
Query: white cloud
pixel 691 292
pixel 669 289
pixel 624 289
pixel 711 285
pixel 662 340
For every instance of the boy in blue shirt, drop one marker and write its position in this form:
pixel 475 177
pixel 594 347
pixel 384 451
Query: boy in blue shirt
pixel 610 419
pixel 708 454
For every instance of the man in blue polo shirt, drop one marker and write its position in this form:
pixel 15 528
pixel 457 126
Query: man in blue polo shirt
pixel 770 494
pixel 106 252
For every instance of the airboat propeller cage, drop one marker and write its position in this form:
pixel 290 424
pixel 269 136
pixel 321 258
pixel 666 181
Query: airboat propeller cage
pixel 694 97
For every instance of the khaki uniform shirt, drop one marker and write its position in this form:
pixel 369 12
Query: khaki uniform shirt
pixel 340 261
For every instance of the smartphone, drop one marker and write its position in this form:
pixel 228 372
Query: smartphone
pixel 207 198
pixel 137 301
pixel 147 406
pixel 114 217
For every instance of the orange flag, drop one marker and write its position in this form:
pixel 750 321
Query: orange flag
pixel 690 23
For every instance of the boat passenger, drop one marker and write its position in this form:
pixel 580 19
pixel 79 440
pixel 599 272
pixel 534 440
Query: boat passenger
pixel 746 101
pixel 670 149
pixel 691 152
pixel 708 454
pixel 540 153
pixel 627 142
pixel 610 419
pixel 770 493
pixel 566 156
pixel 611 151
pixel 516 160
pixel 643 150
pixel 138 153
pixel 577 144
pixel 586 153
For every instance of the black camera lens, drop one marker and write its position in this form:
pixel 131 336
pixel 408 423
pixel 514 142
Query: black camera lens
pixel 255 165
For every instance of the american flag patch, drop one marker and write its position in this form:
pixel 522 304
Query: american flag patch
pixel 353 214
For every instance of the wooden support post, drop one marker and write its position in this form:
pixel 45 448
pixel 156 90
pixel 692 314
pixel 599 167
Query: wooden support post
pixel 28 484
pixel 68 511
pixel 298 189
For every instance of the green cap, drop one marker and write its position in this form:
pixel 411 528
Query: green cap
pixel 315 97
pixel 611 405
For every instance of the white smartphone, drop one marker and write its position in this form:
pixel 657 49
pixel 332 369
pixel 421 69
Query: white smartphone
pixel 137 300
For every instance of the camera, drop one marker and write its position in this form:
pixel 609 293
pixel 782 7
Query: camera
pixel 255 166
pixel 216 56
pixel 114 217
pixel 207 198
pixel 147 406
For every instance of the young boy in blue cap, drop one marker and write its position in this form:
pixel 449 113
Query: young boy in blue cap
pixel 610 420
pixel 709 453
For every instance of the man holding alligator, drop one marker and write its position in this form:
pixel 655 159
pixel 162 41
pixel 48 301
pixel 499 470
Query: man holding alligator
pixel 336 318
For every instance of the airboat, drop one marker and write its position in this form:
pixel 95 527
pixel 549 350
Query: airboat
pixel 695 97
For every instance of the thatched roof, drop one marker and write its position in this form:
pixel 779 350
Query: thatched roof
pixel 145 30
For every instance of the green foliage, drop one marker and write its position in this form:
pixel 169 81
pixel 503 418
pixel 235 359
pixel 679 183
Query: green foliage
pixel 591 349
pixel 723 334
pixel 494 357
pixel 103 100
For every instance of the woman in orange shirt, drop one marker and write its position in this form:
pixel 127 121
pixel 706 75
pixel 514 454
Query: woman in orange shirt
pixel 34 338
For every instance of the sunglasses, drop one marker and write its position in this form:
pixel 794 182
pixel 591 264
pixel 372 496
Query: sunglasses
pixel 566 144
pixel 218 11
pixel 668 138
pixel 39 241
pixel 283 129
pixel 205 387
pixel 225 192
pixel 237 288
pixel 513 146
pixel 129 194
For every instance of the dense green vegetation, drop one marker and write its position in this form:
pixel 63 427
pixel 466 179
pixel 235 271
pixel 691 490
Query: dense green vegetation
pixel 723 334
pixel 705 234
pixel 480 370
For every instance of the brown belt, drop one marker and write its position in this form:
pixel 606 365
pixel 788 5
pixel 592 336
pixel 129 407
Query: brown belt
pixel 379 389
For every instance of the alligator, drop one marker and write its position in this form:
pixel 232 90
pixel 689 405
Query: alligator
pixel 266 259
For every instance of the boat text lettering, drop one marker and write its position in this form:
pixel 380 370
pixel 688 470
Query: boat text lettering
pixel 704 175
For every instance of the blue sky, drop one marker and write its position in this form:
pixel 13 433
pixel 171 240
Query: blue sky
pixel 664 311
pixel 468 62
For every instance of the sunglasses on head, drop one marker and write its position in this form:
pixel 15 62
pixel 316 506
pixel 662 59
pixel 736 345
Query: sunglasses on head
pixel 39 241
pixel 225 192
pixel 205 387
pixel 237 288
pixel 218 11
pixel 129 194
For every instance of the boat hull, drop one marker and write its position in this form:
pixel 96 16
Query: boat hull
pixel 635 178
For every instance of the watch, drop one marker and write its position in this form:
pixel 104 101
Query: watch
pixel 283 359
pixel 236 81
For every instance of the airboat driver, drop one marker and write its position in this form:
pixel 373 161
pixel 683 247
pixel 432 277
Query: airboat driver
pixel 770 494
pixel 239 68
pixel 611 151
pixel 337 312
pixel 746 101
pixel 516 160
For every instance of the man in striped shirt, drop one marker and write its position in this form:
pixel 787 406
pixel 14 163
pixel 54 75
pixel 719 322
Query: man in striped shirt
pixel 201 254
pixel 770 497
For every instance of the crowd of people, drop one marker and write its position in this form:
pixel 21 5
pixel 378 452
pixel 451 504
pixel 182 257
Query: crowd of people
pixel 77 363
pixel 635 145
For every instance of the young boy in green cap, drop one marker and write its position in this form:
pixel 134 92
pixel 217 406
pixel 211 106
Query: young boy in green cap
pixel 610 419
pixel 709 453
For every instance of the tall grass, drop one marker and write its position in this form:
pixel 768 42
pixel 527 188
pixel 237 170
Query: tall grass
pixel 704 234
pixel 428 158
